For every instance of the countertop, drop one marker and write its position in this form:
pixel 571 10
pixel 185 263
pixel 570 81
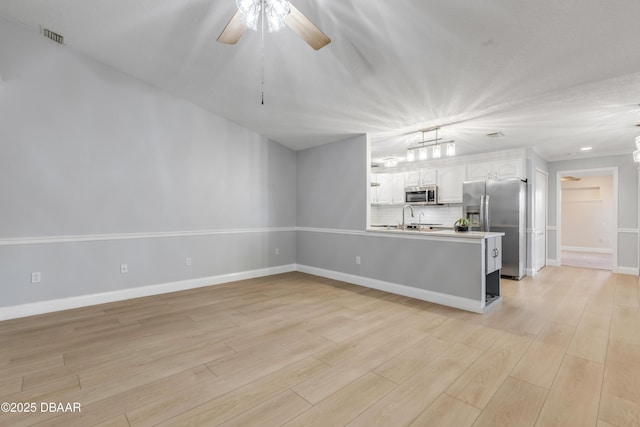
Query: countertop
pixel 439 233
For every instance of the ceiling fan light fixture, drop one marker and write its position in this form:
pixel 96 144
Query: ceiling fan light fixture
pixel 250 10
pixel 276 11
pixel 277 14
pixel 390 162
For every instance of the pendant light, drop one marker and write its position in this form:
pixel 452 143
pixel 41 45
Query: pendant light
pixel 422 153
pixel 436 148
pixel 451 149
pixel 411 155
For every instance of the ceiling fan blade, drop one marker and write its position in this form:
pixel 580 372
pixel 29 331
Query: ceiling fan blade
pixel 234 30
pixel 301 25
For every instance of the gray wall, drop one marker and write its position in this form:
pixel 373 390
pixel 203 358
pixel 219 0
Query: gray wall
pixel 418 263
pixel 627 202
pixel 86 151
pixel 332 196
pixel 331 185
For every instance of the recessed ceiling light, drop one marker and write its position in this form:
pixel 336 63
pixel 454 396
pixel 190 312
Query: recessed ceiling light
pixel 586 149
pixel 495 134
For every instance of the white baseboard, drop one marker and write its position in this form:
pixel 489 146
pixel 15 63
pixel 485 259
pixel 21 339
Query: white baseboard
pixel 41 307
pixel 631 271
pixel 394 288
pixel 588 250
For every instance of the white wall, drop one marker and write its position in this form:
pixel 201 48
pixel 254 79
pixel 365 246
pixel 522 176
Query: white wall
pixel 587 214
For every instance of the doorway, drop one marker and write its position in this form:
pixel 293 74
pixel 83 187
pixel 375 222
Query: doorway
pixel 587 218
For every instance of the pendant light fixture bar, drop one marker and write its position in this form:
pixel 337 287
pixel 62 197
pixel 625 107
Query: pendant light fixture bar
pixel 421 151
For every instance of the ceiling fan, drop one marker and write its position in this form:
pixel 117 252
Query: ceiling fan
pixel 276 13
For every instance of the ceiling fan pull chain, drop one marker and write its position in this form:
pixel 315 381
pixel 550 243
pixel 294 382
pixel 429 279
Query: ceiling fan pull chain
pixel 262 37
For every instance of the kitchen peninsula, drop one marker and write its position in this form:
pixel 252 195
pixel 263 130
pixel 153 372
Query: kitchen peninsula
pixel 458 269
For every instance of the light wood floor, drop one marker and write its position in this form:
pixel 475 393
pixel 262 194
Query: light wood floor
pixel 563 349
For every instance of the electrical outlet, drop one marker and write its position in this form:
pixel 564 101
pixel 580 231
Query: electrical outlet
pixel 124 268
pixel 358 260
pixel 36 277
pixel 187 261
pixel 277 251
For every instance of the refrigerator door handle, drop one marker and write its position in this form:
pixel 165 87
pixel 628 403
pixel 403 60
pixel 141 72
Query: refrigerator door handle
pixel 482 223
pixel 486 213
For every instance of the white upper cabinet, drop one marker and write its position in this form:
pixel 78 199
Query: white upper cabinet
pixel 373 191
pixel 478 171
pixel 450 182
pixel 428 177
pixel 495 170
pixel 412 179
pixel 383 190
pixel 507 169
pixel 390 188
pixel 397 184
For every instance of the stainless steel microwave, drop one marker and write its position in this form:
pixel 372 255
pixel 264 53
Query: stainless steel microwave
pixel 426 195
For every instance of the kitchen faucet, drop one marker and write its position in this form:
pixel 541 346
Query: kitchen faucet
pixel 404 226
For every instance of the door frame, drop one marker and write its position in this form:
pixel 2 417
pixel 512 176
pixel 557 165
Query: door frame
pixel 613 171
pixel 546 222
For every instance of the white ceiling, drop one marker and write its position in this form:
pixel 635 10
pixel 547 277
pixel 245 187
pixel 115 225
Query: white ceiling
pixel 554 74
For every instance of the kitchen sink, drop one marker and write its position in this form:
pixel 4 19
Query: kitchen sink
pixel 411 227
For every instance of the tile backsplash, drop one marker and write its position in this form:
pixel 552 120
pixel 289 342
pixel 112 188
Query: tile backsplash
pixel 392 215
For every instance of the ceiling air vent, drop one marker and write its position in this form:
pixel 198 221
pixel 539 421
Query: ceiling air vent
pixel 53 36
pixel 495 134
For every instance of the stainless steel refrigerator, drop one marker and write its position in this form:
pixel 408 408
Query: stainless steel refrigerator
pixel 500 205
